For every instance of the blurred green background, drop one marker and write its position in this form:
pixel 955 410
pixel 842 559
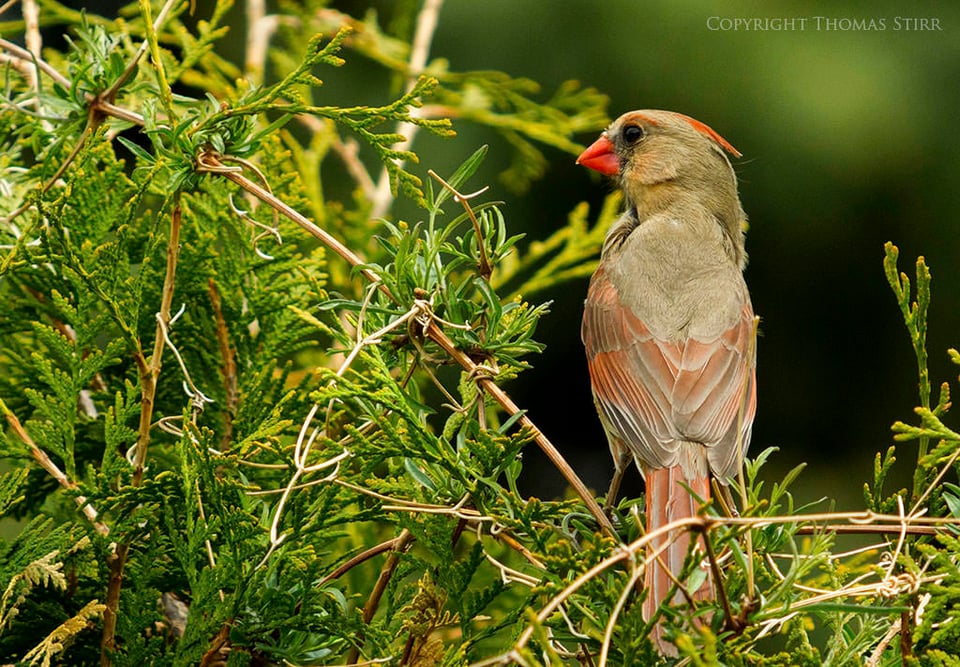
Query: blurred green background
pixel 849 140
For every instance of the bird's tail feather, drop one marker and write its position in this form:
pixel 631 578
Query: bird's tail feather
pixel 669 500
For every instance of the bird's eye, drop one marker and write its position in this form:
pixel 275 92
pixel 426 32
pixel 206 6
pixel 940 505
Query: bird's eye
pixel 632 134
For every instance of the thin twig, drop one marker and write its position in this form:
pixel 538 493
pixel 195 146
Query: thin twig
pixel 149 373
pixel 403 542
pixel 212 163
pixel 359 558
pixel 730 621
pixel 208 162
pixel 134 63
pixel 511 408
pixel 44 461
pixel 7 5
pixel 25 55
pixel 484 264
pixel 228 365
pixel 878 650
pixel 621 602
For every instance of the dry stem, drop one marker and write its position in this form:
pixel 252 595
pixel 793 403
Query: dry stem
pixel 703 524
pixel 212 163
pixel 149 373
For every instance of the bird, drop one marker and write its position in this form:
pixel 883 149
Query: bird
pixel 669 328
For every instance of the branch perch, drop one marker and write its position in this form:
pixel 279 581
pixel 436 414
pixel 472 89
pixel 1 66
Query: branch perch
pixel 212 163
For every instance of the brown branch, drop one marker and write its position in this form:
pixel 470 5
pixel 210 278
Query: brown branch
pixel 149 374
pixel 219 646
pixel 228 367
pixel 906 635
pixel 211 163
pixel 400 545
pixel 501 397
pixel 134 63
pixel 403 542
pixel 730 621
pixel 359 558
pixel 25 55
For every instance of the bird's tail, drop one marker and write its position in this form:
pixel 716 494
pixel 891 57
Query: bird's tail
pixel 667 501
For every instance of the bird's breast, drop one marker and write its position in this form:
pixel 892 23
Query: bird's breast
pixel 678 278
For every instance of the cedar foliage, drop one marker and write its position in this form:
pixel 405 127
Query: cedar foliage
pixel 247 424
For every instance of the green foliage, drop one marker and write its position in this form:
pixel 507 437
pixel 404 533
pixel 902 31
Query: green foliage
pixel 226 442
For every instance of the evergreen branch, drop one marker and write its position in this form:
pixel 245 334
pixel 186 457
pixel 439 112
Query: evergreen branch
pixel 42 571
pixel 632 553
pixel 914 314
pixel 211 163
pixel 915 318
pixel 62 636
pixel 98 106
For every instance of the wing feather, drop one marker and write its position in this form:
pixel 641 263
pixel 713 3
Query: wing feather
pixel 655 394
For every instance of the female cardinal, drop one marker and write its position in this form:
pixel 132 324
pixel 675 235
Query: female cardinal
pixel 668 326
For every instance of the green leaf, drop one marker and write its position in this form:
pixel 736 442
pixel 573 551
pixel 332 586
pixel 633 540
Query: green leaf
pixel 467 169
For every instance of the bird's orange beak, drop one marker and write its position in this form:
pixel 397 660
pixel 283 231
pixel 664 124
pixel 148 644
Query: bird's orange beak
pixel 600 156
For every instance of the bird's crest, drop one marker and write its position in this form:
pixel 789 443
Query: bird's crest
pixel 703 129
pixel 710 133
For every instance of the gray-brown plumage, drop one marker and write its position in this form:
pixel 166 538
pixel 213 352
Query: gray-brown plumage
pixel 668 325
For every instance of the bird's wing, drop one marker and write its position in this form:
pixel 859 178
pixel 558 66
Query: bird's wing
pixel 654 394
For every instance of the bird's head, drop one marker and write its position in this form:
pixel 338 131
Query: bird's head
pixel 660 156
